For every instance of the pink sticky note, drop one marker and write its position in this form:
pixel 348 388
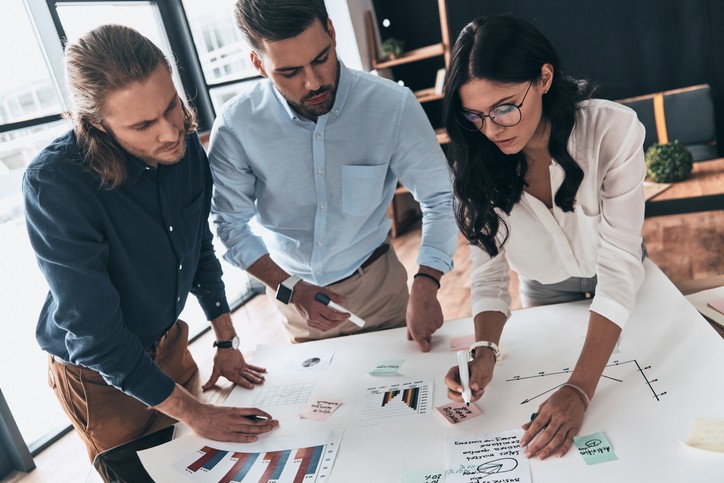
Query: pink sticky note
pixel 320 409
pixel 717 305
pixel 455 413
pixel 461 343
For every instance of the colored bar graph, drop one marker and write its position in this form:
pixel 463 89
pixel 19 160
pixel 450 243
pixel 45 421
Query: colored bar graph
pixel 410 396
pixel 240 468
pixel 209 459
pixel 310 461
pixel 273 459
pixel 388 396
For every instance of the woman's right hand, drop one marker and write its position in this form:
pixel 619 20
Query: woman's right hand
pixel 481 373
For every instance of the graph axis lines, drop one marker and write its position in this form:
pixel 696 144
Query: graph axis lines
pixel 641 370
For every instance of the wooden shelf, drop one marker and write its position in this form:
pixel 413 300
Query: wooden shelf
pixel 427 95
pixel 412 56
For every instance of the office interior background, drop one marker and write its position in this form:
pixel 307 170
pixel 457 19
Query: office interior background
pixel 628 48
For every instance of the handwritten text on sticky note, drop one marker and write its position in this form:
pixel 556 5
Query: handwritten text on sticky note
pixel 455 413
pixel 595 448
pixel 387 368
pixel 320 409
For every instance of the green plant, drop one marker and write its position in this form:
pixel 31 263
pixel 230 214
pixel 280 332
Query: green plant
pixel 666 163
pixel 392 48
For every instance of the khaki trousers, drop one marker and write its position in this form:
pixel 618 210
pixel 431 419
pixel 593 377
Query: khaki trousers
pixel 106 417
pixel 378 294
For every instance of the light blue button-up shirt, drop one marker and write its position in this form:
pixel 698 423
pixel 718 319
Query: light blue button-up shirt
pixel 319 192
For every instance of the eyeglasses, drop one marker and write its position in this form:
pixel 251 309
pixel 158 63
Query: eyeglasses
pixel 504 115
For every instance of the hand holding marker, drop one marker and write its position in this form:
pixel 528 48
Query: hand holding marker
pixel 464 376
pixel 320 297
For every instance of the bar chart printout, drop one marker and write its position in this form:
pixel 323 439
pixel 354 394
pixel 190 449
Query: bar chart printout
pixel 209 461
pixel 396 402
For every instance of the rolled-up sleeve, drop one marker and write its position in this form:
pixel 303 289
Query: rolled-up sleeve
pixel 233 204
pixel 420 164
pixel 489 282
pixel 620 269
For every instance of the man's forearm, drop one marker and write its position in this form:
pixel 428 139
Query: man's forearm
pixel 266 270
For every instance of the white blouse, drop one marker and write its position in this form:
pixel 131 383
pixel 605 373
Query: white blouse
pixel 602 236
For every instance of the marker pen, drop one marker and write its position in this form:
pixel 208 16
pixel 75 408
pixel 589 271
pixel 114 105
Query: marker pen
pixel 464 376
pixel 320 297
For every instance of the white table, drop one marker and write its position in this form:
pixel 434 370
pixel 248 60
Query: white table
pixel 670 372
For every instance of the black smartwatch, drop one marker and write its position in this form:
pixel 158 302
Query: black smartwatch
pixel 285 290
pixel 227 344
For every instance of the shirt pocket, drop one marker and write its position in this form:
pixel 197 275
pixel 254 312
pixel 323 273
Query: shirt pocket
pixel 362 187
pixel 193 223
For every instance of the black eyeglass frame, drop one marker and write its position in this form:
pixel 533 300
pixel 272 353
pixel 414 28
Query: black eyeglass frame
pixel 469 126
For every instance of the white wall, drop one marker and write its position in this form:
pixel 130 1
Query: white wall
pixel 348 17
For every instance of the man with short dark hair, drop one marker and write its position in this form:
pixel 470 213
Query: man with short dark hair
pixel 117 214
pixel 313 155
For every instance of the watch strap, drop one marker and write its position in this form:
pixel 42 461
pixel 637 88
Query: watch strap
pixel 487 344
pixel 285 290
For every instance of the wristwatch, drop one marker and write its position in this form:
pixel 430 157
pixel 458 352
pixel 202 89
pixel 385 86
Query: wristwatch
pixel 285 290
pixel 227 344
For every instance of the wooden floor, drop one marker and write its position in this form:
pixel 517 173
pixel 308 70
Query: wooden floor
pixel 686 247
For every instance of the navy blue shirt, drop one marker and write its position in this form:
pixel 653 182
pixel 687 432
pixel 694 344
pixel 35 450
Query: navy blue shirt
pixel 120 263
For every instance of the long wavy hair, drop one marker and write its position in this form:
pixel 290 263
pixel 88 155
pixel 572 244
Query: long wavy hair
pixel 104 60
pixel 505 49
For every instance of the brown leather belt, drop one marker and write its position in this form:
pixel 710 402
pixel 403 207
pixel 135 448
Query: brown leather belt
pixel 379 251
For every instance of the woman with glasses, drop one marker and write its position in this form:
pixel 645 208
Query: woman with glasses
pixel 549 183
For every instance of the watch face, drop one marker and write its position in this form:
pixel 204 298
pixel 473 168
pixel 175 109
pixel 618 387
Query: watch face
pixel 284 294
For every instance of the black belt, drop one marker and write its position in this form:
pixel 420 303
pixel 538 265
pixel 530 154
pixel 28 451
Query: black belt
pixel 379 251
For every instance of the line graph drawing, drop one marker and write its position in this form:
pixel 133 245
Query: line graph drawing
pixel 616 363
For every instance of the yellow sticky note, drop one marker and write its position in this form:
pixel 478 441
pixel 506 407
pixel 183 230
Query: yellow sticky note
pixel 707 434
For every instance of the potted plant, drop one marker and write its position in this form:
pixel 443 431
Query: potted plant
pixel 669 162
pixel 392 48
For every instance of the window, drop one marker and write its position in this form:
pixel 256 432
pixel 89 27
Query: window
pixel 222 49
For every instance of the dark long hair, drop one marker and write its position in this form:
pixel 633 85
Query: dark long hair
pixel 101 61
pixel 508 50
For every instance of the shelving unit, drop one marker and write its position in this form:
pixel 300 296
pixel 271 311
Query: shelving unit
pixel 404 210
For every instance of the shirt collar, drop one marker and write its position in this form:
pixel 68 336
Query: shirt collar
pixel 343 89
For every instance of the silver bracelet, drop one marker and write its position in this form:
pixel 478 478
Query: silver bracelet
pixel 581 393
pixel 483 343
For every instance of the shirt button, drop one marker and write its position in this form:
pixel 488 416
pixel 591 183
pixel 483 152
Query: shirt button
pixel 181 267
pixel 321 207
pixel 218 304
pixel 178 299
pixel 170 228
pixel 319 243
pixel 198 285
pixel 319 172
pixel 318 135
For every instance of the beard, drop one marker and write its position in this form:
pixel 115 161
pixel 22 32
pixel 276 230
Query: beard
pixel 313 111
pixel 160 155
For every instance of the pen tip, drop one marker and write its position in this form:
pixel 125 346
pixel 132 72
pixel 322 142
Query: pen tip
pixel 467 404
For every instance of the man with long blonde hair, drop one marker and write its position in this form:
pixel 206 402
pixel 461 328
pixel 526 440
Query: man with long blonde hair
pixel 117 213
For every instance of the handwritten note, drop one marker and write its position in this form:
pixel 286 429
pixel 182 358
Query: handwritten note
pixel 423 476
pixel 493 457
pixel 461 343
pixel 707 434
pixel 455 413
pixel 594 448
pixel 387 368
pixel 320 409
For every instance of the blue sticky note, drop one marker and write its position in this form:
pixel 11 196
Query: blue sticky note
pixel 594 448
pixel 387 368
pixel 423 476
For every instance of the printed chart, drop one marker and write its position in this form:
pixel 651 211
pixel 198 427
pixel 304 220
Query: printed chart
pixel 284 394
pixel 304 459
pixel 395 402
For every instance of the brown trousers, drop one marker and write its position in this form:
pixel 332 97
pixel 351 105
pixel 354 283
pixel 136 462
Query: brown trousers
pixel 378 294
pixel 106 417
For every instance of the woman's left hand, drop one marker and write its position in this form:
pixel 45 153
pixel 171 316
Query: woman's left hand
pixel 558 421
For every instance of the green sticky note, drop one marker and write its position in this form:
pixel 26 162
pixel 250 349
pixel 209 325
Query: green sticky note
pixel 387 368
pixel 595 448
pixel 423 476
